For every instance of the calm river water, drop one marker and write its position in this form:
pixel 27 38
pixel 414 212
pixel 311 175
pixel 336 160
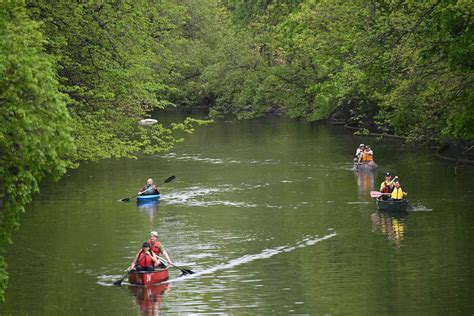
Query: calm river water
pixel 272 217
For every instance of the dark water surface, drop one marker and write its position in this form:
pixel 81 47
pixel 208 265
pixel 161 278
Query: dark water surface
pixel 271 216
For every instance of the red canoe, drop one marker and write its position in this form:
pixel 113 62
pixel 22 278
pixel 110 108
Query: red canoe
pixel 148 277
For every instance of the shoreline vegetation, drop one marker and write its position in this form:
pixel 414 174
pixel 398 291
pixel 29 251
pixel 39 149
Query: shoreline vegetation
pixel 76 78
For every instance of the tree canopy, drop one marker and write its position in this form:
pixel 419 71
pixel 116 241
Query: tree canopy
pixel 403 67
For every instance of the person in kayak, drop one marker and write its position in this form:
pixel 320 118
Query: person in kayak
pixel 145 260
pixel 387 186
pixel 398 194
pixel 157 247
pixel 149 188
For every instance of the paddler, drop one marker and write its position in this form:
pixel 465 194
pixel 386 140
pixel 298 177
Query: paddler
pixel 157 247
pixel 149 188
pixel 398 194
pixel 367 154
pixel 145 260
pixel 359 152
pixel 387 185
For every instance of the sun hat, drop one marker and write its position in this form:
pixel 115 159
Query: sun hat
pixel 154 233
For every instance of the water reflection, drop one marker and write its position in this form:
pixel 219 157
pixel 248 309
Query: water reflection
pixel 393 224
pixel 149 297
pixel 151 208
pixel 365 180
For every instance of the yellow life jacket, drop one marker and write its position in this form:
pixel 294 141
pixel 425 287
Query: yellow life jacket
pixel 397 193
pixel 367 156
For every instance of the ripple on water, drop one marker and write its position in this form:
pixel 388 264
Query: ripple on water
pixel 196 196
pixel 214 161
pixel 420 208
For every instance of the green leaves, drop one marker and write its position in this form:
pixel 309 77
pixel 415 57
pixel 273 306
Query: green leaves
pixel 35 125
pixel 403 67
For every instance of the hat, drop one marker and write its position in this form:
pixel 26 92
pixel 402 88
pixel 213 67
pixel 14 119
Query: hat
pixel 145 244
pixel 361 145
pixel 153 233
pixel 388 174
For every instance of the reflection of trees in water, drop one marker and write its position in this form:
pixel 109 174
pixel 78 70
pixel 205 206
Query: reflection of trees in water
pixel 149 297
pixel 392 224
pixel 365 180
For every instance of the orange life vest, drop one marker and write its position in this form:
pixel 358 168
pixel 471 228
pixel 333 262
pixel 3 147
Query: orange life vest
pixel 367 156
pixel 155 247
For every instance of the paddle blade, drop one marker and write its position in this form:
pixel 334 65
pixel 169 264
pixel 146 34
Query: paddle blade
pixel 127 199
pixel 170 179
pixel 375 194
pixel 187 271
pixel 119 282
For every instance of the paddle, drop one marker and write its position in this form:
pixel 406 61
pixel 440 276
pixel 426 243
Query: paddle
pixel 119 282
pixel 376 194
pixel 127 199
pixel 185 271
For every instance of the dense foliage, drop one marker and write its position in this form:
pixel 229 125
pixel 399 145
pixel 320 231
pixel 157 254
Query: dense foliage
pixel 35 126
pixel 402 67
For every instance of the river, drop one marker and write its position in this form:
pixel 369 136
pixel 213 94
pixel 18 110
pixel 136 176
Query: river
pixel 270 215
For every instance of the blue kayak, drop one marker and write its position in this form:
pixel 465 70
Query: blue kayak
pixel 148 198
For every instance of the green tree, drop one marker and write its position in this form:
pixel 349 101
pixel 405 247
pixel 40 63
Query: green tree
pixel 402 67
pixel 35 126
pixel 116 64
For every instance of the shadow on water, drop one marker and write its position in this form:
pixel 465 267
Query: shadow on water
pixel 148 298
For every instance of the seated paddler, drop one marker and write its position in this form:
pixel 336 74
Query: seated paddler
pixel 359 152
pixel 398 194
pixel 149 188
pixel 158 248
pixel 386 187
pixel 145 260
pixel 367 154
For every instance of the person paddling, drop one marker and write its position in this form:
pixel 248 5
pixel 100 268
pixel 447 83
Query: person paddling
pixel 157 247
pixel 387 185
pixel 149 188
pixel 398 194
pixel 358 154
pixel 145 260
pixel 367 155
